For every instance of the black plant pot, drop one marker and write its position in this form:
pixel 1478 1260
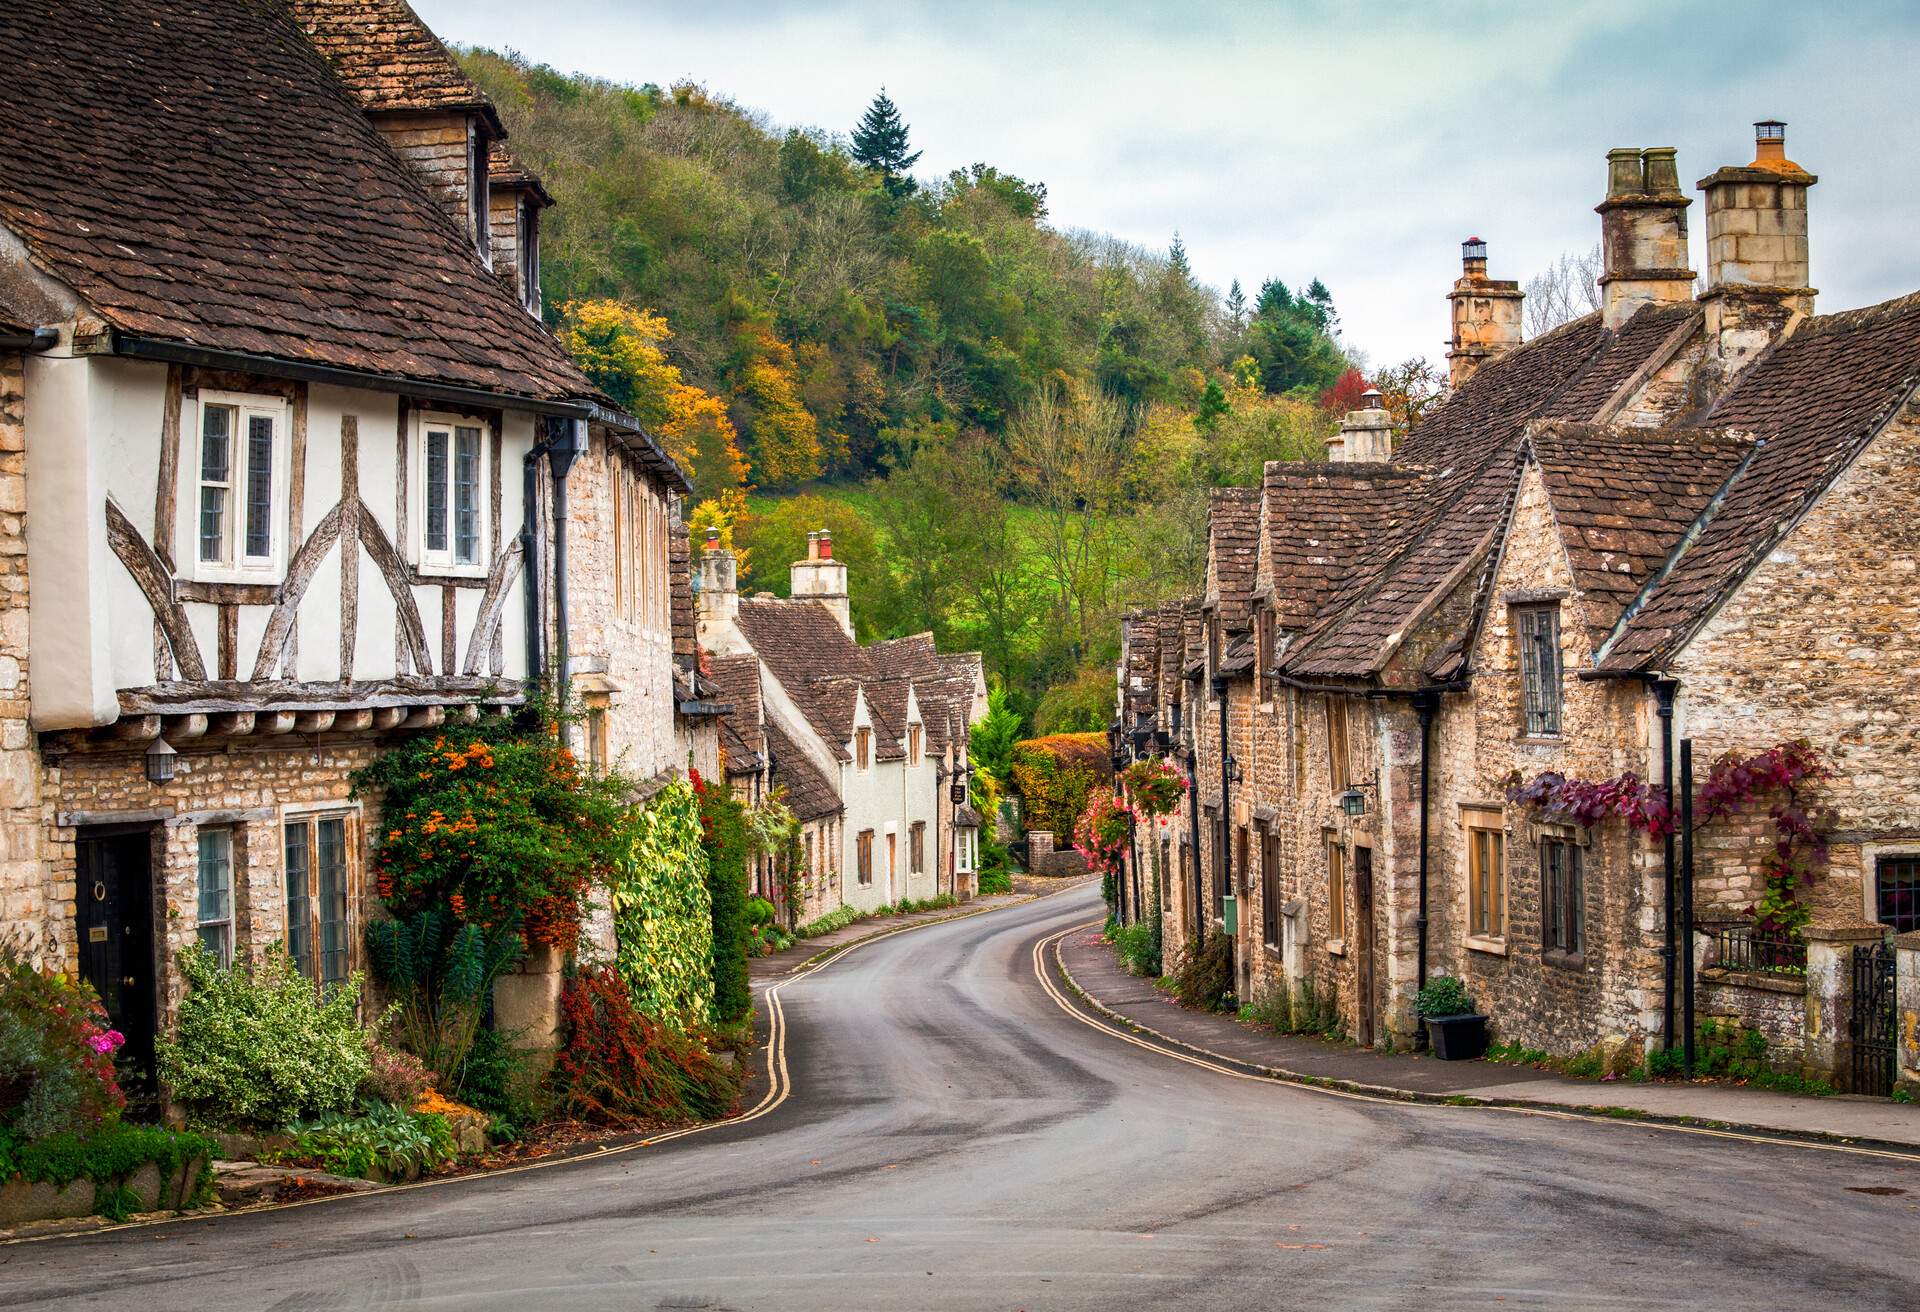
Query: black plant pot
pixel 1458 1038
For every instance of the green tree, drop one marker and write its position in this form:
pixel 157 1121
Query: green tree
pixel 879 142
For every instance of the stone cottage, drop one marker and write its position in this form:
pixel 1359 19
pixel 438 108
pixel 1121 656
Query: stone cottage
pixel 1673 520
pixel 294 469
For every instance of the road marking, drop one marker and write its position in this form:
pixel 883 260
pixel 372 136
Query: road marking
pixel 1549 1113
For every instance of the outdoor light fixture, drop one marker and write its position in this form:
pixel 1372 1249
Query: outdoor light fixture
pixel 1353 802
pixel 1233 770
pixel 160 762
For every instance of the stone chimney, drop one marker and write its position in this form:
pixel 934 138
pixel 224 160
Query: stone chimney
pixel 1643 234
pixel 1365 434
pixel 1486 318
pixel 823 579
pixel 1757 260
pixel 719 588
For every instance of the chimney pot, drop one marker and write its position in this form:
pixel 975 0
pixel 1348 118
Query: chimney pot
pixel 1371 399
pixel 1626 172
pixel 1662 170
pixel 826 544
pixel 713 538
pixel 1473 255
pixel 813 546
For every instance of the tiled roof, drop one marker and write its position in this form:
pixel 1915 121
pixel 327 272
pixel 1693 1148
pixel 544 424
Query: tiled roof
pixel 807 791
pixel 805 648
pixel 388 58
pixel 1320 522
pixel 1620 356
pixel 196 173
pixel 1193 638
pixel 1622 497
pixel 1233 533
pixel 1172 653
pixel 1488 413
pixel 1814 400
pixel 504 169
pixel 682 617
pixel 1140 675
pixel 737 679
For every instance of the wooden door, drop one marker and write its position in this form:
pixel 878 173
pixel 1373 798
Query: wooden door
pixel 113 911
pixel 1360 934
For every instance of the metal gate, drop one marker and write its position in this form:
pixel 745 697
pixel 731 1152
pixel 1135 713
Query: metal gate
pixel 1871 1025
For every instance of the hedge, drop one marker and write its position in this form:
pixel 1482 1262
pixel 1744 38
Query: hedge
pixel 1054 776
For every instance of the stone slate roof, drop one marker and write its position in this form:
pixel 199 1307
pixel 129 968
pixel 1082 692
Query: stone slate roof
pixel 504 169
pixel 683 618
pixel 1140 675
pixel 1171 644
pixel 1443 526
pixel 806 789
pixel 1320 519
pixel 736 680
pixel 1233 531
pixel 195 172
pixel 805 648
pixel 388 59
pixel 1622 497
pixel 1814 400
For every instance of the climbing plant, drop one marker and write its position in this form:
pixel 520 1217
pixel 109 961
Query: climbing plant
pixel 725 835
pixel 663 911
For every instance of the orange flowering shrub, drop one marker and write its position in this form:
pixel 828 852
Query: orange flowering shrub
pixel 497 823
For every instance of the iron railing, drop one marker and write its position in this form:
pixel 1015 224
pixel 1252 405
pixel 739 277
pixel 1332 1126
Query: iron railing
pixel 1743 947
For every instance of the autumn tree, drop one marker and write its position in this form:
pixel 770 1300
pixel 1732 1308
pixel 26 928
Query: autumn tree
pixel 1069 454
pixel 879 142
pixel 782 434
pixel 1568 289
pixel 1406 390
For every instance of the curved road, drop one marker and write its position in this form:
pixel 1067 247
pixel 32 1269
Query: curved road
pixel 954 1140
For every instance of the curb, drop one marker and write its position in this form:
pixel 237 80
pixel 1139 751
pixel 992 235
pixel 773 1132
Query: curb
pixel 1419 1097
pixel 827 954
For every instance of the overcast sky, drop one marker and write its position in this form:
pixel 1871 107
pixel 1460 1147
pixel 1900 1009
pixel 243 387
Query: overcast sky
pixel 1356 143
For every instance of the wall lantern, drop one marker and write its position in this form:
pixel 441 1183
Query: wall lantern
pixel 1233 770
pixel 1353 802
pixel 160 762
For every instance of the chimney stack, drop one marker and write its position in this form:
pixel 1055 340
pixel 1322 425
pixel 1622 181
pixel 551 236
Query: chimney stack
pixel 823 579
pixel 1757 258
pixel 1486 319
pixel 1365 433
pixel 718 597
pixel 1643 233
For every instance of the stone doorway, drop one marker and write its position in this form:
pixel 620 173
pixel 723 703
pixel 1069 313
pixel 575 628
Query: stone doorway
pixel 113 914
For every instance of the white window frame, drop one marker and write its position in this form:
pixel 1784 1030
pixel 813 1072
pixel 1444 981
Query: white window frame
pixel 443 562
pixel 238 566
pixel 203 921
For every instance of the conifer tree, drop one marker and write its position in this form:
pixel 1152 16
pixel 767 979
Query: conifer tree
pixel 1177 258
pixel 1237 306
pixel 880 142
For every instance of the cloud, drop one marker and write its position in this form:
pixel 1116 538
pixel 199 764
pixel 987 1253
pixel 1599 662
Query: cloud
pixel 1354 142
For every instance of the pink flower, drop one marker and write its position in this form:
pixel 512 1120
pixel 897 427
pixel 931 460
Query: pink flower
pixel 109 1041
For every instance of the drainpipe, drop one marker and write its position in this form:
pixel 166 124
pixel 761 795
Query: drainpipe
pixel 1663 693
pixel 1226 795
pixel 30 343
pixel 1425 702
pixel 1193 834
pixel 1686 898
pixel 529 560
pixel 567 446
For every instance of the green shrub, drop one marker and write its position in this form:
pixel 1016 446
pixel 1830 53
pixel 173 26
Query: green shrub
pixel 838 918
pixel 438 973
pixel 1137 948
pixel 504 1082
pixel 261 1045
pixel 384 1141
pixel 56 1053
pixel 1054 777
pixel 1444 995
pixel 108 1155
pixel 995 881
pixel 1203 978
pixel 723 822
pixel 663 911
pixel 1287 1012
pixel 759 912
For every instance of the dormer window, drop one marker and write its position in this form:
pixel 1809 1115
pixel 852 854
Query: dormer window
pixel 913 744
pixel 862 747
pixel 479 223
pixel 527 255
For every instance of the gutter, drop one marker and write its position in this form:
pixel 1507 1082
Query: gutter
pixel 30 343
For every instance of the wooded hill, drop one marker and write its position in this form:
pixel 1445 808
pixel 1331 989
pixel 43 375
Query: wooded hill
pixel 1014 423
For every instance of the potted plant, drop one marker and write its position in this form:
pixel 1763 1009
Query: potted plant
pixel 1458 1032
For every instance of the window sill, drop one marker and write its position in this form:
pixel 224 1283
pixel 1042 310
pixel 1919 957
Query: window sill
pixel 1540 739
pixel 265 576
pixel 442 570
pixel 1492 946
pixel 1564 960
pixel 1336 947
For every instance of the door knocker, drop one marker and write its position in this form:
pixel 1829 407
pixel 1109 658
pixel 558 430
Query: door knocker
pixel 99 890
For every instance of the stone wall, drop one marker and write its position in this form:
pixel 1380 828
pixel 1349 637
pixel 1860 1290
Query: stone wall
pixel 435 146
pixel 34 908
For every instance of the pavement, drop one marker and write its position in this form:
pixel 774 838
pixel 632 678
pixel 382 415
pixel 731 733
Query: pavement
pixel 1091 966
pixel 953 1131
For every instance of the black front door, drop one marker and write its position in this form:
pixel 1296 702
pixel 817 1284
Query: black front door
pixel 115 914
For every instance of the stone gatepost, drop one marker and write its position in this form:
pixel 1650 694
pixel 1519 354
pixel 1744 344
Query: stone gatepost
pixel 1906 1013
pixel 526 1002
pixel 1829 1051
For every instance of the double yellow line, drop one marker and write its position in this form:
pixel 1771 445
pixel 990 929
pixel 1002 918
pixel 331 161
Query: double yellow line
pixel 1223 1066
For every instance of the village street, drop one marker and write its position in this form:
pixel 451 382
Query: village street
pixel 953 1139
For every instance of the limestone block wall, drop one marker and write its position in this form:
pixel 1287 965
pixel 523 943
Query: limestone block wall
pixel 435 146
pixel 1819 643
pixel 35 909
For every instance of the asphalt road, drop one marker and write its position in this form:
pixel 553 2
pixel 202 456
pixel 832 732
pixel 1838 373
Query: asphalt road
pixel 952 1139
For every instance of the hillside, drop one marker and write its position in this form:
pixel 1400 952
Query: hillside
pixel 1012 423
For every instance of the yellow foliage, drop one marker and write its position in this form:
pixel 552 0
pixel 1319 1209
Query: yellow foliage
pixel 726 512
pixel 785 437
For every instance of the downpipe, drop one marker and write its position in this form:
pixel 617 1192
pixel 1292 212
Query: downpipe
pixel 1663 693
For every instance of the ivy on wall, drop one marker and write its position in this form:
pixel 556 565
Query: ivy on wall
pixel 663 912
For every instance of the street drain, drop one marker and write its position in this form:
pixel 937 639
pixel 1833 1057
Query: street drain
pixel 1877 1190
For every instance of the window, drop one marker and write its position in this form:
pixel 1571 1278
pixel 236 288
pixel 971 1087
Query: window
pixel 862 748
pixel 453 503
pixel 1339 767
pixel 317 903
pixel 1336 891
pixel 1269 886
pixel 527 255
pixel 864 845
pixel 237 485
pixel 1562 897
pixel 913 744
pixel 1486 875
pixel 597 740
pixel 893 856
pixel 1217 829
pixel 216 894
pixel 917 848
pixel 640 586
pixel 479 194
pixel 1897 892
pixel 1538 628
